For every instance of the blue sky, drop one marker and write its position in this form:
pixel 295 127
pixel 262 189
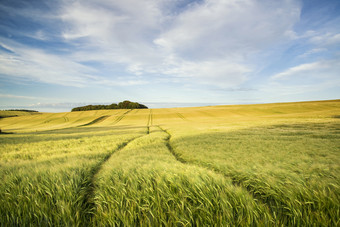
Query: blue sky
pixel 55 55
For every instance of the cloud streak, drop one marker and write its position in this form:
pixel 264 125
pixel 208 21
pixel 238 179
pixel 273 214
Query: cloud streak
pixel 211 44
pixel 37 65
pixel 18 96
pixel 208 42
pixel 321 69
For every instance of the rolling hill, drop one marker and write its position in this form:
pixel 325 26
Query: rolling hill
pixel 265 164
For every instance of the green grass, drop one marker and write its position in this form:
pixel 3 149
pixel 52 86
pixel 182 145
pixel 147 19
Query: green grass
pixel 261 165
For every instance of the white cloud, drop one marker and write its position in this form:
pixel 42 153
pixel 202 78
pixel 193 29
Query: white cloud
pixel 304 68
pixel 327 39
pixel 17 96
pixel 312 52
pixel 37 65
pixel 40 66
pixel 209 42
pixel 218 73
pixel 205 43
pixel 320 69
pixel 112 25
pixel 228 29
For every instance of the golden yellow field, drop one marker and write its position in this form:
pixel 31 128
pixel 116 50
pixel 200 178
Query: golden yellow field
pixel 265 164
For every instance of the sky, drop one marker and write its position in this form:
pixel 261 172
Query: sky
pixel 59 54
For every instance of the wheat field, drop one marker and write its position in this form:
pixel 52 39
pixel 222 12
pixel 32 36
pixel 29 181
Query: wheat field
pixel 236 165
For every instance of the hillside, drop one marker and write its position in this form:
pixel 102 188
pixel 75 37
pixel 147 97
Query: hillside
pixel 238 165
pixel 16 113
pixel 196 117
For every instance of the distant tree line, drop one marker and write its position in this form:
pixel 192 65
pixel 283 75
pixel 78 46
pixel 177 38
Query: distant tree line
pixel 23 110
pixel 122 105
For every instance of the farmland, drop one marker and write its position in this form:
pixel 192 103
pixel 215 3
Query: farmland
pixel 267 165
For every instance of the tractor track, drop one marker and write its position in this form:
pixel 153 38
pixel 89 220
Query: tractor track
pixel 233 180
pixel 88 186
pixel 121 117
pixel 97 120
pixel 170 148
pixel 150 122
pixel 102 118
pixel 181 116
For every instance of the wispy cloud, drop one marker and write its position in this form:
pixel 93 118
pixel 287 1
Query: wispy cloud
pixel 207 42
pixel 328 39
pixel 228 29
pixel 17 96
pixel 217 44
pixel 296 91
pixel 312 52
pixel 321 69
pixel 37 65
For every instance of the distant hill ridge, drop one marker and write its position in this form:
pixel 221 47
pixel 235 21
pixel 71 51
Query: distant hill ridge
pixel 23 110
pixel 122 105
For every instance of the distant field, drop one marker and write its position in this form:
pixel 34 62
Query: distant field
pixel 11 113
pixel 267 165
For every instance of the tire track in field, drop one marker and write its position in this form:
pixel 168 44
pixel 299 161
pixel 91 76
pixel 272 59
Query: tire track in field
pixel 151 118
pixel 88 186
pixel 97 120
pixel 236 183
pixel 170 148
pixel 121 117
pixel 102 118
pixel 181 116
pixel 150 123
pixel 48 119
